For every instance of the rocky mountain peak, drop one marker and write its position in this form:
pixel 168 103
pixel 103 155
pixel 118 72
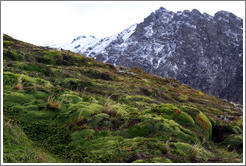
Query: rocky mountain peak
pixel 197 49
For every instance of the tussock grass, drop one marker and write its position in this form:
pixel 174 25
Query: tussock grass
pixel 19 85
pixel 53 104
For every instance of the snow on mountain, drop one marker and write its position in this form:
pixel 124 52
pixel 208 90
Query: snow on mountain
pixel 197 49
pixel 78 45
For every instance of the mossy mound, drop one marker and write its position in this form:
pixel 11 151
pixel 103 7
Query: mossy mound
pixel 169 111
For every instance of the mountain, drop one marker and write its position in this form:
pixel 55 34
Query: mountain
pixel 63 107
pixel 202 51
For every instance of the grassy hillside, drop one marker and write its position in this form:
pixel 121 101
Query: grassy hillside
pixel 59 106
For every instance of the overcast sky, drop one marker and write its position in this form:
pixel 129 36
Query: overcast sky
pixel 43 22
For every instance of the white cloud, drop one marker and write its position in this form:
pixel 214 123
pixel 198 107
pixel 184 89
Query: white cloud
pixel 42 22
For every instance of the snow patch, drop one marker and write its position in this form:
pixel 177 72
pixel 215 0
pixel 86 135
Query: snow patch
pixel 149 30
pixel 190 25
pixel 128 32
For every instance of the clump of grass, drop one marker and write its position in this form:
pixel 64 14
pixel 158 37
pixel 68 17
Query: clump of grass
pixel 166 149
pixel 194 151
pixel 81 121
pixel 111 110
pixel 19 85
pixel 53 104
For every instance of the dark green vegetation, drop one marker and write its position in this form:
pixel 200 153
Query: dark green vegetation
pixel 64 107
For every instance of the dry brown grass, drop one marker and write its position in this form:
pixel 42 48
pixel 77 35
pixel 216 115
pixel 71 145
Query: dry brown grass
pixel 194 152
pixel 53 104
pixel 19 85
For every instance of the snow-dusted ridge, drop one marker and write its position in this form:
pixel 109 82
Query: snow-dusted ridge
pixel 197 49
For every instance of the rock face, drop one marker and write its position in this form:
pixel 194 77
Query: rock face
pixel 203 51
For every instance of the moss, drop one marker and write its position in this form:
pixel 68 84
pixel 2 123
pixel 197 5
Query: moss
pixel 152 125
pixel 94 73
pixel 74 84
pixel 17 98
pixel 160 160
pixel 80 136
pixel 38 115
pixel 51 57
pixel 139 131
pixel 170 111
pixel 182 148
pixel 135 98
pixel 104 148
pixel 15 56
pixel 205 123
pixel 234 142
pixel 70 98
pixel 182 98
pixel 31 67
pixel 200 118
pixel 40 95
pixel 18 148
pixel 190 110
pixel 98 119
pixel 10 78
pixel 27 81
pixel 137 101
pixel 115 110
pixel 7 43
pixel 80 109
pixel 86 109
